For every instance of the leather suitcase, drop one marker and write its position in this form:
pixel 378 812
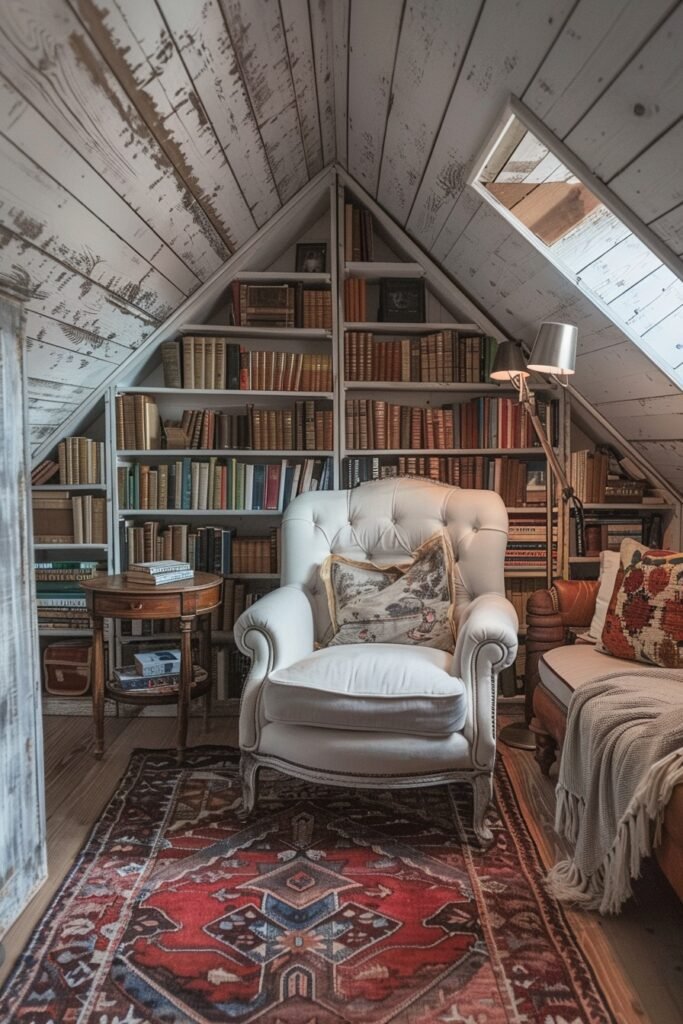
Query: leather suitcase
pixel 66 668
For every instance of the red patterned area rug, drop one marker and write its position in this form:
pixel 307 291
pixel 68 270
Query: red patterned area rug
pixel 328 906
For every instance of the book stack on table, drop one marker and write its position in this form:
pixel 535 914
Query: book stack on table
pixel 153 574
pixel 157 672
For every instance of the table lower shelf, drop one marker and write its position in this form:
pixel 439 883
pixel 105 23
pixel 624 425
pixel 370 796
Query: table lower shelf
pixel 201 684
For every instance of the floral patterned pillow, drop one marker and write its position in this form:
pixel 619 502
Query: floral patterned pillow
pixel 396 604
pixel 645 616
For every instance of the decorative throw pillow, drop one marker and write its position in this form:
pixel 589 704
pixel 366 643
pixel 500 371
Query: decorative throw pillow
pixel 644 620
pixel 609 567
pixel 396 604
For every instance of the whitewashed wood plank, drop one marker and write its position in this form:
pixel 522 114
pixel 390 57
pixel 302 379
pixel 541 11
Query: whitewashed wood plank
pixel 201 36
pixel 373 39
pixel 594 236
pixel 653 184
pixel 51 331
pixel 641 407
pixel 34 206
pixel 23 866
pixel 591 341
pixel 37 388
pixel 322 24
pixel 489 74
pixel 298 40
pixel 666 338
pixel 465 208
pixel 134 40
pixel 66 295
pixel 50 59
pixel 39 141
pixel 257 38
pixel 49 413
pixel 650 426
pixel 670 227
pixel 41 433
pixel 432 44
pixel 611 135
pixel 667 457
pixel 620 371
pixel 619 269
pixel 593 46
pixel 649 301
pixel 340 35
pixel 63 365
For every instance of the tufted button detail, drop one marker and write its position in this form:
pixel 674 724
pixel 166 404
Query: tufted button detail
pixel 475 529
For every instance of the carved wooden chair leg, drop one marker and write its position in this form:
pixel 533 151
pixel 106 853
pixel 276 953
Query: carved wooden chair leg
pixel 249 767
pixel 482 788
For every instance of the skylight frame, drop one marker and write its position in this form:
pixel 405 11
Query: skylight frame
pixel 516 110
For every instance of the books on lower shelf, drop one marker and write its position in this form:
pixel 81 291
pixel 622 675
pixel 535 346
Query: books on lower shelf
pixel 60 599
pixel 281 305
pixel 520 482
pixel 206 548
pixel 605 532
pixel 445 357
pixel 59 518
pixel 216 484
pixel 487 422
pixel 527 547
pixel 200 363
pixel 305 426
pixel 129 681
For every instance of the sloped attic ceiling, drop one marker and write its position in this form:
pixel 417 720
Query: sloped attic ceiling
pixel 144 142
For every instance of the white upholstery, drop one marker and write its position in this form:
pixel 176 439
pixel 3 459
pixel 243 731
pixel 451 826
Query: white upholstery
pixel 395 715
pixel 565 669
pixel 372 688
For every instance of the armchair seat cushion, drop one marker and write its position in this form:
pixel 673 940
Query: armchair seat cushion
pixel 371 688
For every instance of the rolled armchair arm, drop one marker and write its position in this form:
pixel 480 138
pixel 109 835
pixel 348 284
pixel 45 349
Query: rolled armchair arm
pixel 569 604
pixel 487 643
pixel 275 632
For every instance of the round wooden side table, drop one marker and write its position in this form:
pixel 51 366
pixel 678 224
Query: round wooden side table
pixel 114 597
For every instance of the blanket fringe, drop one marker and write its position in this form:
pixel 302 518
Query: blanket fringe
pixel 638 832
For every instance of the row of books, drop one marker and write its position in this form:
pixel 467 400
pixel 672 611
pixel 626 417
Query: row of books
pixel 358 234
pixel 80 460
pixel 355 299
pixel 200 363
pixel 281 305
pixel 220 484
pixel 61 605
pixel 205 548
pixel 596 478
pixel 480 423
pixel 445 357
pixel 606 534
pixel 518 593
pixel 519 482
pixel 59 518
pixel 528 544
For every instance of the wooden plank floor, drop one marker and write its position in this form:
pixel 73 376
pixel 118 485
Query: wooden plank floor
pixel 646 940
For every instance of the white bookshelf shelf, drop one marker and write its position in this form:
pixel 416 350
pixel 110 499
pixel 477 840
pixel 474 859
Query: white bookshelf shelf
pixel 583 559
pixel 70 547
pixel 525 574
pixel 68 487
pixel 372 452
pixel 64 631
pixel 215 393
pixel 198 453
pixel 377 327
pixel 372 270
pixel 626 507
pixel 203 513
pixel 425 386
pixel 284 276
pixel 265 333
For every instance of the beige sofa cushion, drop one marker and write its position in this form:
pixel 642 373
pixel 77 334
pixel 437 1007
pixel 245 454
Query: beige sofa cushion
pixel 564 669
pixel 389 688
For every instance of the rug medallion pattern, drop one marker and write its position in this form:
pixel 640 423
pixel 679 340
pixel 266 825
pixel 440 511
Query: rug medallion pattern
pixel 328 906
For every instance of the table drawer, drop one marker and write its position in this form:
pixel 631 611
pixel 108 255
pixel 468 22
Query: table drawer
pixel 142 606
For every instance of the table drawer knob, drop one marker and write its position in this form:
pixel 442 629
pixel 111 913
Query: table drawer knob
pixel 136 606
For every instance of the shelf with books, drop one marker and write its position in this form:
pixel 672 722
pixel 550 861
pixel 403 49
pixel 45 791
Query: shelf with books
pixel 376 269
pixel 400 329
pixel 65 631
pixel 431 387
pixel 286 276
pixel 80 488
pixel 55 545
pixel 264 333
pixel 442 451
pixel 245 453
pixel 621 507
pixel 224 395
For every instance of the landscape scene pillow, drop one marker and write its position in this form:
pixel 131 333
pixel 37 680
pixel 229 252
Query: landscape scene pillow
pixel 644 620
pixel 397 604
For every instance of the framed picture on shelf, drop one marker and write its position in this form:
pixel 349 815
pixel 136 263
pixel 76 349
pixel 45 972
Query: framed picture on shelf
pixel 536 482
pixel 402 300
pixel 311 257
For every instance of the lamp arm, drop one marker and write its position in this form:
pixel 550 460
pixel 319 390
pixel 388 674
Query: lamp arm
pixel 568 495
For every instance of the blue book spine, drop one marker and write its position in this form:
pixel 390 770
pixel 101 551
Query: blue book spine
pixel 226 552
pixel 259 487
pixel 187 483
pixel 289 476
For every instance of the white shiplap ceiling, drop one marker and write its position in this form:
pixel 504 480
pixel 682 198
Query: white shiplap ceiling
pixel 144 141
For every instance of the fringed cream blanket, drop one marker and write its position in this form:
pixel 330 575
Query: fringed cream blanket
pixel 622 757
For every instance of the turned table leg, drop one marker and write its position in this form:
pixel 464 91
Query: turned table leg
pixel 185 683
pixel 98 683
pixel 206 664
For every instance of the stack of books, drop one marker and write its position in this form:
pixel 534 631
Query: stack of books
pixel 44 471
pixel 158 671
pixel 153 574
pixel 528 544
pixel 59 597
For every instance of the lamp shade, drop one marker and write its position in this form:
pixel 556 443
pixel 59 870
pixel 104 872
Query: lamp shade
pixel 554 350
pixel 508 362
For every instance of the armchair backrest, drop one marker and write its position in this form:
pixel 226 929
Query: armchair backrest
pixel 384 522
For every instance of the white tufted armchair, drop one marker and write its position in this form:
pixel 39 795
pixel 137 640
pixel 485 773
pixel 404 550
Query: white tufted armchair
pixel 378 715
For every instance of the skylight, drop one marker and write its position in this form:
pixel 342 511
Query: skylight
pixel 592 246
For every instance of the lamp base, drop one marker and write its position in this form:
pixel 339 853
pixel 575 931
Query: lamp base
pixel 517 734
